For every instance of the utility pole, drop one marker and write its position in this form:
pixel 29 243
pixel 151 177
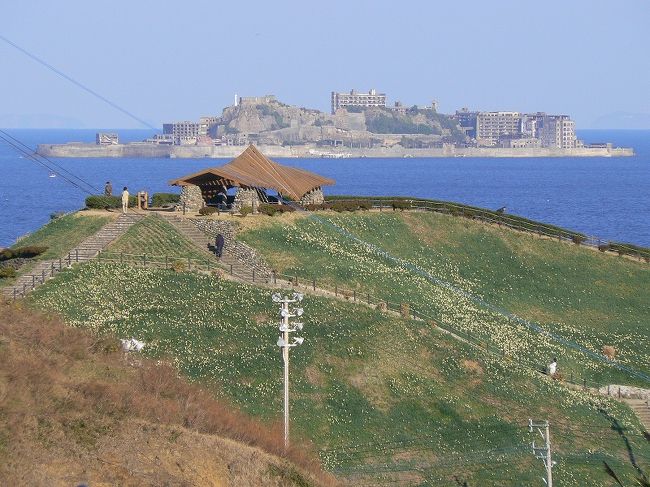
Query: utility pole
pixel 543 453
pixel 285 345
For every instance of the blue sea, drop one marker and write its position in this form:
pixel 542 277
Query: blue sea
pixel 604 197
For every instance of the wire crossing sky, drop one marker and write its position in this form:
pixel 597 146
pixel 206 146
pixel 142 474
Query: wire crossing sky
pixel 585 58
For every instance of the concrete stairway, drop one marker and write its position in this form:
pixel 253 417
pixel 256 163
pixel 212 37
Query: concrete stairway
pixel 642 409
pixel 228 261
pixel 86 250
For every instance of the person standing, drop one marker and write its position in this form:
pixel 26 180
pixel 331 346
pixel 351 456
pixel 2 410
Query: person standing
pixel 108 189
pixel 218 245
pixel 125 199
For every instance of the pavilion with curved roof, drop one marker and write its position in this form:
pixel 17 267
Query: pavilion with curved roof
pixel 253 174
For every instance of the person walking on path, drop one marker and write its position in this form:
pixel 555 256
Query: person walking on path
pixel 108 189
pixel 125 199
pixel 218 245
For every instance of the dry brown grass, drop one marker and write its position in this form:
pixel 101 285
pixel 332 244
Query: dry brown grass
pixel 609 351
pixel 67 396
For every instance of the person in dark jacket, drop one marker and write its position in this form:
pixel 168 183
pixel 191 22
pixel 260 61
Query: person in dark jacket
pixel 218 245
pixel 108 189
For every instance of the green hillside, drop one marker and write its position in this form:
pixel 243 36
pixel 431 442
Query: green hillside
pixel 384 400
pixel 472 278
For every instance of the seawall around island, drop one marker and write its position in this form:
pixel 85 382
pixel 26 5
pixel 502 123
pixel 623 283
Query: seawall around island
pixel 139 150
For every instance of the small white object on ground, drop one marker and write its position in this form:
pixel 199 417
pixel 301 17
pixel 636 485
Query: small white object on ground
pixel 132 345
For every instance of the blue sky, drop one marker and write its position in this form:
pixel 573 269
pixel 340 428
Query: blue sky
pixel 167 61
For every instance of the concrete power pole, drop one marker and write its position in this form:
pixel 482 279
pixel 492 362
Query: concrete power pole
pixel 543 453
pixel 285 345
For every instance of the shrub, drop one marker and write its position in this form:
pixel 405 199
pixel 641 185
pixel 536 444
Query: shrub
pixel 56 215
pixel 178 266
pixel 7 272
pixel 315 207
pixel 246 210
pixel 609 351
pixel 162 199
pixel 400 205
pixel 208 210
pixel 101 202
pixel 603 247
pixel 343 205
pixel 271 210
pixel 340 206
pixel 365 205
pixel 22 252
pixel 577 239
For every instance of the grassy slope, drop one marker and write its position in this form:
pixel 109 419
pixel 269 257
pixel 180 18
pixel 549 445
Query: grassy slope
pixel 367 389
pixel 156 237
pixel 63 234
pixel 588 298
pixel 60 236
pixel 73 412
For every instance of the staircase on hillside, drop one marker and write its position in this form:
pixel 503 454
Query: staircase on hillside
pixel 228 261
pixel 641 408
pixel 86 250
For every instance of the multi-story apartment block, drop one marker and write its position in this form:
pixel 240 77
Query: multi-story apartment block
pixel 504 128
pixel 356 99
pixel 554 130
pixel 490 126
pixel 182 132
pixel 206 123
pixel 467 121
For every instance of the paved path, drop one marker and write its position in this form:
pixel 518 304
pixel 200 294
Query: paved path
pixel 86 250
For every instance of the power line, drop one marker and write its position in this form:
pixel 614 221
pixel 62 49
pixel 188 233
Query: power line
pixel 31 157
pixel 77 83
pixel 34 155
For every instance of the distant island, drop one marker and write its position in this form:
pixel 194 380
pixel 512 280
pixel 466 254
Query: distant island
pixel 359 125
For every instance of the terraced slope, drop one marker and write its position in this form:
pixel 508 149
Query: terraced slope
pixel 384 400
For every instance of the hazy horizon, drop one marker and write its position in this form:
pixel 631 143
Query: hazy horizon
pixel 583 58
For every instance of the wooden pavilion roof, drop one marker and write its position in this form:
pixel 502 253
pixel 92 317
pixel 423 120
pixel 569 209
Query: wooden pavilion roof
pixel 253 169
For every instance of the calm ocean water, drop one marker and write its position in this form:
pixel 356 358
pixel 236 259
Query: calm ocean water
pixel 605 197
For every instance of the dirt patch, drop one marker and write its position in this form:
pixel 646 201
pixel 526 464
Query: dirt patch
pixel 261 318
pixel 472 366
pixel 372 385
pixel 314 376
pixel 429 233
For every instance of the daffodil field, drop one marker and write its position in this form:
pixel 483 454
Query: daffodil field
pixel 155 236
pixel 384 400
pixel 527 298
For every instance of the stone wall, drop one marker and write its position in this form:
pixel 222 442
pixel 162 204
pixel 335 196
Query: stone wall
pixel 241 251
pixel 311 151
pixel 313 197
pixel 191 197
pixel 246 198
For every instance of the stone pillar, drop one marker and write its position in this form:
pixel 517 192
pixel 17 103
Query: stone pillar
pixel 246 197
pixel 313 197
pixel 191 197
